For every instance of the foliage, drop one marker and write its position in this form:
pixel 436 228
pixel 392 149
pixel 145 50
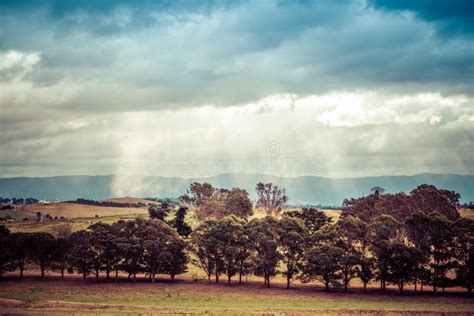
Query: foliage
pixel 217 203
pixel 159 211
pixel 179 224
pixel 291 239
pixel 322 262
pixel 313 219
pixel 271 197
pixel 424 198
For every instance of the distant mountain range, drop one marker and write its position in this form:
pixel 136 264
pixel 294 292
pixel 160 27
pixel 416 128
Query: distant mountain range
pixel 301 190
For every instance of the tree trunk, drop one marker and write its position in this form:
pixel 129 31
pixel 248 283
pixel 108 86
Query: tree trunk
pixel 401 288
pixel 209 278
pixel 228 279
pixel 288 281
pixel 217 277
pixel 21 269
pixel 346 278
pixel 62 273
pixel 172 276
pixel 365 287
pixel 435 277
pixel 107 272
pixel 42 268
pixel 97 274
pixel 326 285
pixel 240 272
pixel 469 278
pixel 116 275
pixel 84 275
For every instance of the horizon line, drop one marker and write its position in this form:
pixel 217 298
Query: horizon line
pixel 236 174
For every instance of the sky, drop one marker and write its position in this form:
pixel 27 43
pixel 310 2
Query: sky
pixel 346 88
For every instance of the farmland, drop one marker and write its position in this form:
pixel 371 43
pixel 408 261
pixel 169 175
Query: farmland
pixel 78 216
pixel 184 296
pixel 73 210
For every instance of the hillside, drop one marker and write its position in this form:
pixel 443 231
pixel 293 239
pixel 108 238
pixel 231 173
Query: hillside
pixel 73 210
pixel 301 190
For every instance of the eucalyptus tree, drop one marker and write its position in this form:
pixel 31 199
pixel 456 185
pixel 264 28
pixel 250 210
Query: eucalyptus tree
pixel 313 219
pixel 350 237
pixel 104 246
pixel 163 250
pixel 204 246
pixel 228 233
pixel 81 256
pixel 265 255
pixel 19 249
pixel 402 262
pixel 271 197
pixel 6 263
pixel 41 249
pixel 381 231
pixel 291 239
pixel 179 223
pixel 322 263
pixel 464 252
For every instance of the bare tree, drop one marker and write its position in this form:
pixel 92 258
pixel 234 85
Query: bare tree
pixel 271 197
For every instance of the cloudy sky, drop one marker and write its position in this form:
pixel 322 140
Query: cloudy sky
pixel 181 88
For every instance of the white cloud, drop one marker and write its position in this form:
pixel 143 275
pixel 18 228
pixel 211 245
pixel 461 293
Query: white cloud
pixel 355 108
pixel 15 65
pixel 364 91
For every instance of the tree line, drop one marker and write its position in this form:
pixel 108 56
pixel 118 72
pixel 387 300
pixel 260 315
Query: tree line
pixel 417 238
pixel 307 245
pixel 106 203
pixel 18 201
pixel 134 247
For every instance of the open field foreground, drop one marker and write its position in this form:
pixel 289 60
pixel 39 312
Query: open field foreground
pixel 52 295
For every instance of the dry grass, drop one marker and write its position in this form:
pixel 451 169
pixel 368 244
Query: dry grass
pixel 465 212
pixel 74 210
pixel 75 223
pixel 74 294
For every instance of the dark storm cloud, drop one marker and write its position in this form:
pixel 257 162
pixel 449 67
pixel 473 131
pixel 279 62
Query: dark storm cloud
pixel 73 73
pixel 452 17
pixel 181 53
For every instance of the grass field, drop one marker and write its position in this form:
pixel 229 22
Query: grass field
pixel 73 210
pixel 78 216
pixel 75 223
pixel 53 294
pixel 465 212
